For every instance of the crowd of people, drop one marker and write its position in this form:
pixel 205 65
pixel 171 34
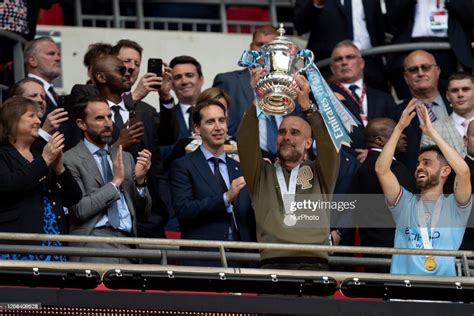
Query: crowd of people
pixel 102 162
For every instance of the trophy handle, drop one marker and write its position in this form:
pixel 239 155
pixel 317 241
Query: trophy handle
pixel 250 59
pixel 308 57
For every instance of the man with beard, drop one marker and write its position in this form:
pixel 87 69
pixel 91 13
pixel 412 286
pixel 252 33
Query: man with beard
pixel 431 220
pixel 292 175
pixel 43 62
pixel 114 188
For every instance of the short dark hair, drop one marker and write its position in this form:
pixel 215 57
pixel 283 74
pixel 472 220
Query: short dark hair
pixel 79 108
pixel 95 50
pixel 183 59
pixel 460 76
pixel 10 113
pixel 18 90
pixel 438 152
pixel 197 117
pixel 128 44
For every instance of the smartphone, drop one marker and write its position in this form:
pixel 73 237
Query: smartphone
pixel 155 65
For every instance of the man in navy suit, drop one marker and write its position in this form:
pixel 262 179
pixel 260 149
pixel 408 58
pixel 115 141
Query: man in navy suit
pixel 364 102
pixel 43 62
pixel 237 83
pixel 331 21
pixel 208 190
pixel 186 82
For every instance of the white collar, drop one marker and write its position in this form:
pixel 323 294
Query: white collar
pixel 121 104
pixel 46 84
pixel 458 119
pixel 359 83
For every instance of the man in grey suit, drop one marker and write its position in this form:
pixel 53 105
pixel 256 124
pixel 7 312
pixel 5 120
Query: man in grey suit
pixel 114 188
pixel 460 94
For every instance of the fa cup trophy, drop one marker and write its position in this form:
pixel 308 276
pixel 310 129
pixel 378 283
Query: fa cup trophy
pixel 276 90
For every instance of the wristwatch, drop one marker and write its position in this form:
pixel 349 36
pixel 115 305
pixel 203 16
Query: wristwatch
pixel 310 109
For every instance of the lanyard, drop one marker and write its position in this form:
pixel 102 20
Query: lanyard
pixel 284 189
pixel 422 221
pixel 361 98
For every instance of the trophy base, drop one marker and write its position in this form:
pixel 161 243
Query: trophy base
pixel 276 93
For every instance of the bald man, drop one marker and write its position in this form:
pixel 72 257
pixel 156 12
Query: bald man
pixel 377 133
pixel 421 75
pixel 292 178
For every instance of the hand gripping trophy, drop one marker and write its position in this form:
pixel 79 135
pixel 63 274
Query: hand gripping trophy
pixel 276 90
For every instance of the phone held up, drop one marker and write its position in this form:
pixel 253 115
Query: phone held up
pixel 155 65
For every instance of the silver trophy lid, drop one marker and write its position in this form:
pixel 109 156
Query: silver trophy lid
pixel 279 41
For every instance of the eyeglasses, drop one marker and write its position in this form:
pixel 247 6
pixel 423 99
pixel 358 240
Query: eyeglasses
pixel 339 59
pixel 424 68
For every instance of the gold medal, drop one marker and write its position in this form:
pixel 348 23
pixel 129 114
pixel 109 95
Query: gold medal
pixel 430 263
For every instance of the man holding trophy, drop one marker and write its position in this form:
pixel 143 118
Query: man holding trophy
pixel 276 188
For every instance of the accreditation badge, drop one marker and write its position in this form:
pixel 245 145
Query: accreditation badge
pixel 439 20
pixel 430 263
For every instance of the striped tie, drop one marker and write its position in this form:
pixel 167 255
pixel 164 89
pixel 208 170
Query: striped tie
pixel 431 113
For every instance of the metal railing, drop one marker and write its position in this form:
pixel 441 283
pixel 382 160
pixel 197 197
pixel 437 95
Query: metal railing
pixel 166 249
pixel 140 21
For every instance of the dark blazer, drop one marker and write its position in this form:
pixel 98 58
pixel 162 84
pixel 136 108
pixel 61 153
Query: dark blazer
pixel 198 201
pixel 379 104
pixel 413 133
pixel 401 17
pixel 237 85
pixel 23 185
pixel 366 182
pixel 330 25
pixel 468 240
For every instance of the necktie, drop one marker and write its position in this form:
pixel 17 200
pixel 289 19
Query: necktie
pixel 54 94
pixel 112 210
pixel 190 119
pixel 431 113
pixel 118 120
pixel 221 183
pixel 353 89
pixel 217 174
pixel 272 132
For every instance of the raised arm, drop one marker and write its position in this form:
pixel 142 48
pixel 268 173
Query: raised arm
pixel 462 182
pixel 388 181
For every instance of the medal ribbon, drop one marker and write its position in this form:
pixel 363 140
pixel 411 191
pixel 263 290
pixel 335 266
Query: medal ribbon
pixel 285 190
pixel 425 238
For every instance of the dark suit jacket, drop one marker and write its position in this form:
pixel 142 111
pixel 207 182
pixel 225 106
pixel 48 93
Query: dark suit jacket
pixel 237 85
pixel 23 186
pixel 401 17
pixel 379 104
pixel 468 240
pixel 365 182
pixel 198 201
pixel 330 25
pixel 413 133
